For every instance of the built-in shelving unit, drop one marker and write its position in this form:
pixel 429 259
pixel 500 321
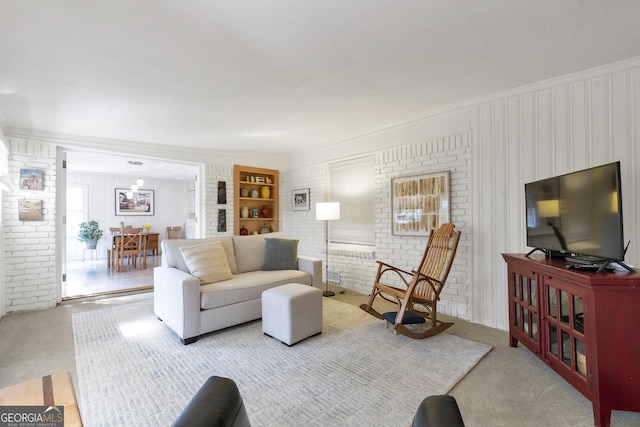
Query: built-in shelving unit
pixel 251 185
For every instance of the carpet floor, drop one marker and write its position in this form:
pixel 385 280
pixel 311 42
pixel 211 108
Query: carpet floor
pixel 133 370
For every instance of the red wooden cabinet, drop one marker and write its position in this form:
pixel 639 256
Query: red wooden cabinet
pixel 584 325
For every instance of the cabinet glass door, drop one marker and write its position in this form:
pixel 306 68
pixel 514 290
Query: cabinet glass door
pixel 564 324
pixel 524 309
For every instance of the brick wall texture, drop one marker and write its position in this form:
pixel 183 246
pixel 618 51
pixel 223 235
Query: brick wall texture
pixel 30 246
pixel 356 265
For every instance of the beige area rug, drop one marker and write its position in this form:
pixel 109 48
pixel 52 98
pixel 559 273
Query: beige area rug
pixel 133 370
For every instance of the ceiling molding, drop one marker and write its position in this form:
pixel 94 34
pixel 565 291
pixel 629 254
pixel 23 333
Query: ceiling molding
pixel 110 146
pixel 442 121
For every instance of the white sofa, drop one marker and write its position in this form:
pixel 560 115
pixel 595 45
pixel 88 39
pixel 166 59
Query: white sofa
pixel 191 309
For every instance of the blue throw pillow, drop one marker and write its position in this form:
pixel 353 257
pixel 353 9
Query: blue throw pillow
pixel 281 254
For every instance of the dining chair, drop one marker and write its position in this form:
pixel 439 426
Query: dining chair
pixel 128 244
pixel 111 252
pixel 174 232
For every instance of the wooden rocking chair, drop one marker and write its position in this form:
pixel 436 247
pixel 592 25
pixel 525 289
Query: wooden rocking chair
pixel 417 303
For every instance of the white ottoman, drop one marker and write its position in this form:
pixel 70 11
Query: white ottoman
pixel 292 312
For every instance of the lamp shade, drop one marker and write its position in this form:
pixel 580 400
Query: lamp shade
pixel 327 211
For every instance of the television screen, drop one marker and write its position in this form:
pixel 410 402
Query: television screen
pixel 578 213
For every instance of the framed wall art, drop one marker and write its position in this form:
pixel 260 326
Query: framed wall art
pixel 222 192
pixel 222 220
pixel 301 200
pixel 141 203
pixel 31 179
pixel 420 203
pixel 30 210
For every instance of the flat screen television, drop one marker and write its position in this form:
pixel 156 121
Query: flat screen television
pixel 577 214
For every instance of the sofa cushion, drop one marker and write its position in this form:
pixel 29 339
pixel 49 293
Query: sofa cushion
pixel 208 262
pixel 280 254
pixel 248 286
pixel 227 244
pixel 173 257
pixel 249 251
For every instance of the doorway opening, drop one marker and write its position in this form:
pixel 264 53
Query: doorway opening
pixel 87 273
pixel 90 188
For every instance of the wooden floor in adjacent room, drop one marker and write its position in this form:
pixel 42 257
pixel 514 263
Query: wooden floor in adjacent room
pixel 93 277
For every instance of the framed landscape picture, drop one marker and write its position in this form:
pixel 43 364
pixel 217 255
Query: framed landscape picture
pixel 420 203
pixel 30 210
pixel 301 200
pixel 141 203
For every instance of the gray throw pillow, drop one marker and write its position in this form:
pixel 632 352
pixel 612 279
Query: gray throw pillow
pixel 281 254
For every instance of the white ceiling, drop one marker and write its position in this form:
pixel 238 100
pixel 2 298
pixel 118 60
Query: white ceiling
pixel 118 164
pixel 283 76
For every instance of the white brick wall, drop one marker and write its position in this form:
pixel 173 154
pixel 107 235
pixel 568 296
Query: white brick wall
pixel 357 268
pixel 213 174
pixel 30 246
pixel 302 225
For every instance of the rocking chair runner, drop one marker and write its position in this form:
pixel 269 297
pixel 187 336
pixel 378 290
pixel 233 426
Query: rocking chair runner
pixel 417 302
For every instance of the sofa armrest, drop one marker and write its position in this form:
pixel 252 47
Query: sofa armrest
pixel 312 266
pixel 176 301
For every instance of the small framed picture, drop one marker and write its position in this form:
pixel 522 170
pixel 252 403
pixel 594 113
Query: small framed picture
pixel 31 179
pixel 222 220
pixel 30 210
pixel 301 200
pixel 222 193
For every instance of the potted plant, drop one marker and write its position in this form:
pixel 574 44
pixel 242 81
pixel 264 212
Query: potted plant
pixel 89 233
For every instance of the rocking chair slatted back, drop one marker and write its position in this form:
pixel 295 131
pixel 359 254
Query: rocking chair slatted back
pixel 436 262
pixel 417 303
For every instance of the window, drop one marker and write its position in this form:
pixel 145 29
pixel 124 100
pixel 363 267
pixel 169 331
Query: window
pixel 76 208
pixel 352 183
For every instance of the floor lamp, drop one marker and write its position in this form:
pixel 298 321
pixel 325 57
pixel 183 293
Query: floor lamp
pixel 327 211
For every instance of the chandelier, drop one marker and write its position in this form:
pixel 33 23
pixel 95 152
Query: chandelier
pixel 135 186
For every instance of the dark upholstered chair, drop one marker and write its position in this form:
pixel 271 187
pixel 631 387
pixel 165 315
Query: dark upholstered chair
pixel 218 403
pixel 438 411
